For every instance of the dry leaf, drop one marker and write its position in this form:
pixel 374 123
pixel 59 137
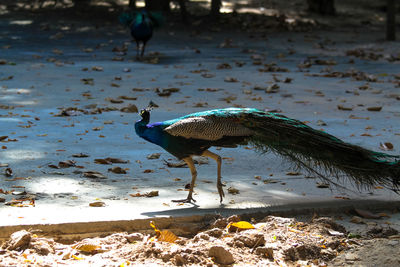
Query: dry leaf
pixel 341 107
pixel 97 204
pixel 165 235
pixel 239 226
pixel 233 191
pixel 117 160
pixel 86 246
pixel 386 146
pixel 374 108
pixel 94 174
pixel 117 170
pixel 153 156
pixel 130 109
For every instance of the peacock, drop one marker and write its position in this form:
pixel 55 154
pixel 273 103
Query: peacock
pixel 310 149
pixel 141 24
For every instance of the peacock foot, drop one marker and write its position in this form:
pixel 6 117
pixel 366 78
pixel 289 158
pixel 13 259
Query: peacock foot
pixel 186 200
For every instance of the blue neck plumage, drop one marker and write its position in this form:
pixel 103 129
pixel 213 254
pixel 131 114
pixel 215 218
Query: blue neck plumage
pixel 150 132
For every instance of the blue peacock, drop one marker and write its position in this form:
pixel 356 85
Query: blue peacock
pixel 310 149
pixel 141 24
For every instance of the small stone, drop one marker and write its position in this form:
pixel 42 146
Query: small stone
pixel 393 242
pixel 179 260
pixel 250 239
pixel 19 240
pixel 221 255
pixel 215 232
pixel 356 219
pixel 351 257
pixel 267 252
pixel 134 237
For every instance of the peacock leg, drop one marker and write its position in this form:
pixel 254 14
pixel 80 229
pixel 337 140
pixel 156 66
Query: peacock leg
pixel 190 163
pixel 137 49
pixel 143 47
pixel 217 158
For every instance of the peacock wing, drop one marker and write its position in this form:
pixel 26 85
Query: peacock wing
pixel 210 128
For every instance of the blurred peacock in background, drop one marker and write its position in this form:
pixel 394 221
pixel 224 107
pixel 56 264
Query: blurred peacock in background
pixel 141 24
pixel 310 149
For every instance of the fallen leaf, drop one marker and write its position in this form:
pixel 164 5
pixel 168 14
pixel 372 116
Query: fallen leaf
pixel 97 204
pixel 117 160
pixel 233 191
pixel 117 170
pixel 374 108
pixel 239 226
pixel 366 214
pixel 94 174
pixel 386 146
pixel 153 156
pixel 86 246
pixel 8 172
pixel 80 155
pixel 341 107
pixel 130 109
pixel 165 235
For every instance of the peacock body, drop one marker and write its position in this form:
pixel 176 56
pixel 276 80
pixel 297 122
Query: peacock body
pixel 311 149
pixel 141 25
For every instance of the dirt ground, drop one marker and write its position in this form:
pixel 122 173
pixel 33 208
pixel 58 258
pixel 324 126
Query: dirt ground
pixel 360 239
pixel 270 241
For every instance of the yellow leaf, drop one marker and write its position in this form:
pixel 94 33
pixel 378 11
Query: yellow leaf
pixel 242 225
pixel 77 258
pixel 86 247
pixel 165 235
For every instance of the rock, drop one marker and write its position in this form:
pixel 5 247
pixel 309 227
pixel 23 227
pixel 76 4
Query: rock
pixel 42 247
pixel 179 260
pixel 393 242
pixel 215 232
pixel 303 252
pixel 201 236
pixel 221 255
pixel 381 232
pixel 351 257
pixel 220 223
pixel 251 239
pixel 356 219
pixel 267 252
pixel 19 240
pixel 330 223
pixel 134 237
pixel 234 218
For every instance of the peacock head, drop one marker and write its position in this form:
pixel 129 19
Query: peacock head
pixel 145 113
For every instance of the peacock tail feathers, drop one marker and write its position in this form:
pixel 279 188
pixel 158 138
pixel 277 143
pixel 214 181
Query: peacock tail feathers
pixel 156 19
pixel 314 150
pixel 322 153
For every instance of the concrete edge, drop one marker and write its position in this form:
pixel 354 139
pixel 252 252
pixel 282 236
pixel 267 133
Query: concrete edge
pixel 185 225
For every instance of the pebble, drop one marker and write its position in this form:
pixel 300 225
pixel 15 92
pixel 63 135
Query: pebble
pixel 134 237
pixel 221 255
pixel 352 257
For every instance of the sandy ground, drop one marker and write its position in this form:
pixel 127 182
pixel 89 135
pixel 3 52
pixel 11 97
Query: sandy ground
pixel 67 88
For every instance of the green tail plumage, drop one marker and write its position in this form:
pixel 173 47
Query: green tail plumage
pixel 127 18
pixel 321 153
